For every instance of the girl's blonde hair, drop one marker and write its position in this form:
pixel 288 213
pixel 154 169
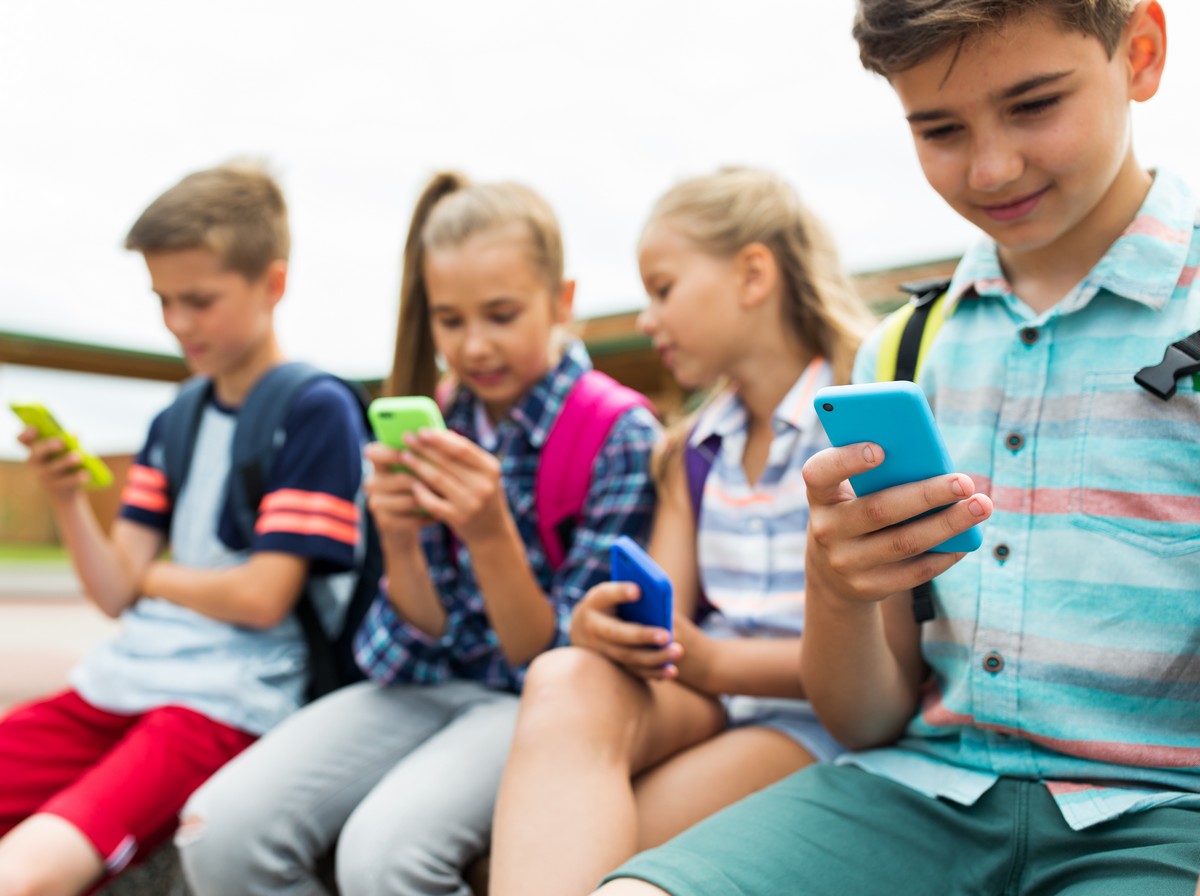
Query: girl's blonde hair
pixel 450 211
pixel 722 213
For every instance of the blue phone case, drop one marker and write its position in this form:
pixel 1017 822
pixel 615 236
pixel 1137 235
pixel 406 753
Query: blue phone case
pixel 631 564
pixel 894 415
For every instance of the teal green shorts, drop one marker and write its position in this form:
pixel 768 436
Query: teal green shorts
pixel 839 831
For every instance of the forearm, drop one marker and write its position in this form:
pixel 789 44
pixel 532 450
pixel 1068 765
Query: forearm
pixel 519 612
pixel 256 594
pixel 762 667
pixel 863 686
pixel 410 589
pixel 107 577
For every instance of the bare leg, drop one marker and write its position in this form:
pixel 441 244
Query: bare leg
pixel 694 784
pixel 566 813
pixel 47 856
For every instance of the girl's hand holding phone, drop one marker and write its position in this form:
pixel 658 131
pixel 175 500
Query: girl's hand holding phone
pixel 457 483
pixel 390 499
pixel 646 651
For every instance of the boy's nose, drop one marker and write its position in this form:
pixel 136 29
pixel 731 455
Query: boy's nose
pixel 993 166
pixel 647 321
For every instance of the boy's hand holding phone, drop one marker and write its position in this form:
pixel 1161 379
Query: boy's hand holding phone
pixel 60 462
pixel 869 546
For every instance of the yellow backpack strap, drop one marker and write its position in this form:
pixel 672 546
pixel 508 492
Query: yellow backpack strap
pixel 909 331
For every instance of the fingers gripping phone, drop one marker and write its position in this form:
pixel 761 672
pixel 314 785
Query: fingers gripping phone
pixel 37 416
pixel 395 416
pixel 896 416
pixel 632 564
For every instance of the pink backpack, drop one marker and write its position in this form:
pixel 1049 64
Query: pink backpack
pixel 564 474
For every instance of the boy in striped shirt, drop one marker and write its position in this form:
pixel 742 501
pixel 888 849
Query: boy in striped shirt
pixel 1042 733
pixel 209 654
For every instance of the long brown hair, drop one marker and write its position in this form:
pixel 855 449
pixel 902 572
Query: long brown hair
pixel 449 211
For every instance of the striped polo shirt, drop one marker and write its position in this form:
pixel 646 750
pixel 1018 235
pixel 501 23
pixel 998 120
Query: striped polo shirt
pixel 1067 650
pixel 751 536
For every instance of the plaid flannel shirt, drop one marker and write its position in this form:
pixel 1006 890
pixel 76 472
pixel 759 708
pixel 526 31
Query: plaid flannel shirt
pixel 620 501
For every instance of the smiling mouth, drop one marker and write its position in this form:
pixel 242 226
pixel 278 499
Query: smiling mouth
pixel 1017 208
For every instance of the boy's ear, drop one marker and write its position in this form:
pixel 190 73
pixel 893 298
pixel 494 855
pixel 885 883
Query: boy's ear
pixel 758 274
pixel 1146 48
pixel 275 280
pixel 564 307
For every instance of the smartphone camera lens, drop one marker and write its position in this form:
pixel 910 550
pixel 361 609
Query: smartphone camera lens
pixel 827 406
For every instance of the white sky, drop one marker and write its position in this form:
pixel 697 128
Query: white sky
pixel 598 106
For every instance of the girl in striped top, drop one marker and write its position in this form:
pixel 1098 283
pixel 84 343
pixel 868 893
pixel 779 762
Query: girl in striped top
pixel 627 737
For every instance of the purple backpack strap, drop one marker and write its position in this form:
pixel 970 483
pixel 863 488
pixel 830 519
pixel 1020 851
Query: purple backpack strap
pixel 697 462
pixel 564 473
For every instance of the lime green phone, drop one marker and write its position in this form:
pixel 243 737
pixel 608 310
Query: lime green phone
pixel 395 416
pixel 36 415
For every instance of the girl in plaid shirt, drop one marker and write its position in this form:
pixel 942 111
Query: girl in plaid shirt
pixel 401 771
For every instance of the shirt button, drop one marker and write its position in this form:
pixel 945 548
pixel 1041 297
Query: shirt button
pixel 1029 335
pixel 1001 552
pixel 993 663
pixel 755 525
pixel 1015 441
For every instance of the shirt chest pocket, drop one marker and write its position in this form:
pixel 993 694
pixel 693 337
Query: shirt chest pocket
pixel 1136 470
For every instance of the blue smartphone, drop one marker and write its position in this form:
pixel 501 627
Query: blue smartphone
pixel 895 416
pixel 631 564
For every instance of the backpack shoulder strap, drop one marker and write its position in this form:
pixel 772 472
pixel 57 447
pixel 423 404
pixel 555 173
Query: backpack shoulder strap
pixel 259 435
pixel 564 472
pixel 697 463
pixel 181 423
pixel 910 330
pixel 907 335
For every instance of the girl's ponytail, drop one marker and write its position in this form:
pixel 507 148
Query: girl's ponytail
pixel 414 367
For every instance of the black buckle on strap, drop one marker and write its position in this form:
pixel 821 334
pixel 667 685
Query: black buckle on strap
pixel 1180 359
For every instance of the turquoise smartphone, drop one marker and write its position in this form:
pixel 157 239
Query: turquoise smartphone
pixel 37 416
pixel 630 563
pixel 896 416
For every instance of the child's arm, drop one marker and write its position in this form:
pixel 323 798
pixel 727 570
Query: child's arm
pixel 458 483
pixel 594 623
pixel 257 594
pixel 399 521
pixel 308 516
pixel 861 660
pixel 109 568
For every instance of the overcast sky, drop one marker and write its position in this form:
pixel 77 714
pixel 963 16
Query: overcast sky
pixel 599 106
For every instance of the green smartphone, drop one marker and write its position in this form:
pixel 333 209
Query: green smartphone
pixel 394 417
pixel 36 415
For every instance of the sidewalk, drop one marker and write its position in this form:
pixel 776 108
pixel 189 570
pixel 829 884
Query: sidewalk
pixel 46 625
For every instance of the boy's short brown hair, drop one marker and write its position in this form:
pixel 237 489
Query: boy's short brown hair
pixel 237 210
pixel 896 35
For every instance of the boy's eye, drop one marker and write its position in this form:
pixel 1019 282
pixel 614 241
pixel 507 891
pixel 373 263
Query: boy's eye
pixel 941 132
pixel 503 317
pixel 1033 107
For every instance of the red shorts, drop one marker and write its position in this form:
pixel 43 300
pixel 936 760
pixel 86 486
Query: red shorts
pixel 120 779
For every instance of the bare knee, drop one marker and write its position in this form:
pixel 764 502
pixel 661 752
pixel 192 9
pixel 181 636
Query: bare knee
pixel 578 695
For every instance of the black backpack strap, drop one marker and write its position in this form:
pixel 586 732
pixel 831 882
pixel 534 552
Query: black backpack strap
pixel 924 296
pixel 181 424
